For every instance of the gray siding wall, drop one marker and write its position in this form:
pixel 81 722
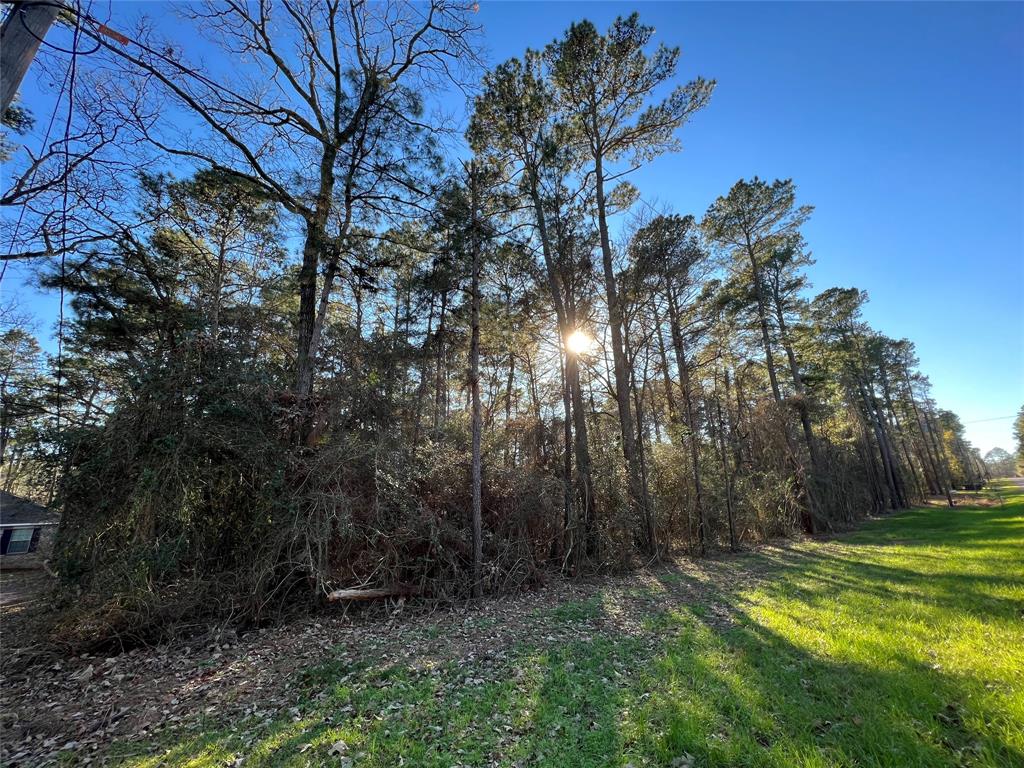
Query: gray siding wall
pixel 44 547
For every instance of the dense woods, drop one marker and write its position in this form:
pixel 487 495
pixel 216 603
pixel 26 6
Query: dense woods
pixel 316 338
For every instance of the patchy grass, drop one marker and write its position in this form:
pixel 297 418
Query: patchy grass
pixel 576 611
pixel 900 645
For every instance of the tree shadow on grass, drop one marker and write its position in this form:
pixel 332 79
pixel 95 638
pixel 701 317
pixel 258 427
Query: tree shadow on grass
pixel 875 702
pixel 819 576
pixel 747 696
pixel 1001 526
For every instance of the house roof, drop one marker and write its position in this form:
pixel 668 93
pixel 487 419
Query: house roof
pixel 15 510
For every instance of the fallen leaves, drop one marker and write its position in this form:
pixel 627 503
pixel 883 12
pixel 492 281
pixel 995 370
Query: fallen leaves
pixel 84 675
pixel 81 706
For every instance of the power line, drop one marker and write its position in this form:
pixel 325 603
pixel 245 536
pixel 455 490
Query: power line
pixel 72 73
pixel 993 418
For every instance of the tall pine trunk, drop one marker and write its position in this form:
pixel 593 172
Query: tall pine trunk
pixel 690 414
pixel 566 317
pixel 474 383
pixel 620 363
pixel 809 514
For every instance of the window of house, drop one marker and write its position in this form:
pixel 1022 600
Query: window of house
pixel 20 541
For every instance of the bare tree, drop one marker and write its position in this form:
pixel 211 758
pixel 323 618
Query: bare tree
pixel 326 117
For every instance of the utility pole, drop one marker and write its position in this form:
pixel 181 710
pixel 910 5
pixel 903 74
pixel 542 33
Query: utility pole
pixel 23 31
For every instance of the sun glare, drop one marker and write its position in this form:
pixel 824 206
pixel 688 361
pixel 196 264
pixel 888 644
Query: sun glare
pixel 579 342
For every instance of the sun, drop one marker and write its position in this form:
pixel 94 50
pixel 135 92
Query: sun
pixel 579 342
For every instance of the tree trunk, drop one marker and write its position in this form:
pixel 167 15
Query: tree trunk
pixel 892 418
pixel 650 537
pixel 510 453
pixel 637 497
pixel 889 454
pixel 584 483
pixel 307 308
pixel 218 287
pixel 692 427
pixel 801 390
pixel 670 397
pixel 888 471
pixel 421 390
pixel 940 452
pixel 728 472
pixel 440 374
pixel 566 320
pixel 567 521
pixel 313 249
pixel 474 383
pixel 810 513
pixel 941 472
pixel 531 378
pixel 762 316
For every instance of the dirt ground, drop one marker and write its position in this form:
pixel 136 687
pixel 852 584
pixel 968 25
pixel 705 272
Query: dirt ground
pixel 19 588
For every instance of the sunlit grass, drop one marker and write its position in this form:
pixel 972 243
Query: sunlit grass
pixel 901 645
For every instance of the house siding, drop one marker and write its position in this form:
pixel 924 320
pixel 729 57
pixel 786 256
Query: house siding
pixel 42 546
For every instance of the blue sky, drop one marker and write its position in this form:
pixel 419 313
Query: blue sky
pixel 902 123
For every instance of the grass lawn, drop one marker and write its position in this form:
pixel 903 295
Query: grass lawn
pixel 899 645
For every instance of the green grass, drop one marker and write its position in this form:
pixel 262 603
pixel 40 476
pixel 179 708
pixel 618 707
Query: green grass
pixel 900 645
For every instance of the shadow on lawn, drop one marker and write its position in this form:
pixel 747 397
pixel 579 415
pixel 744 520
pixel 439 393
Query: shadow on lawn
pixel 818 575
pixel 705 678
pixel 802 709
pixel 738 693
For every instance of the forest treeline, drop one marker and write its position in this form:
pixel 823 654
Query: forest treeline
pixel 315 339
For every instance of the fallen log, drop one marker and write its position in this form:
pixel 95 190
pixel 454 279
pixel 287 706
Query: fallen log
pixel 372 594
